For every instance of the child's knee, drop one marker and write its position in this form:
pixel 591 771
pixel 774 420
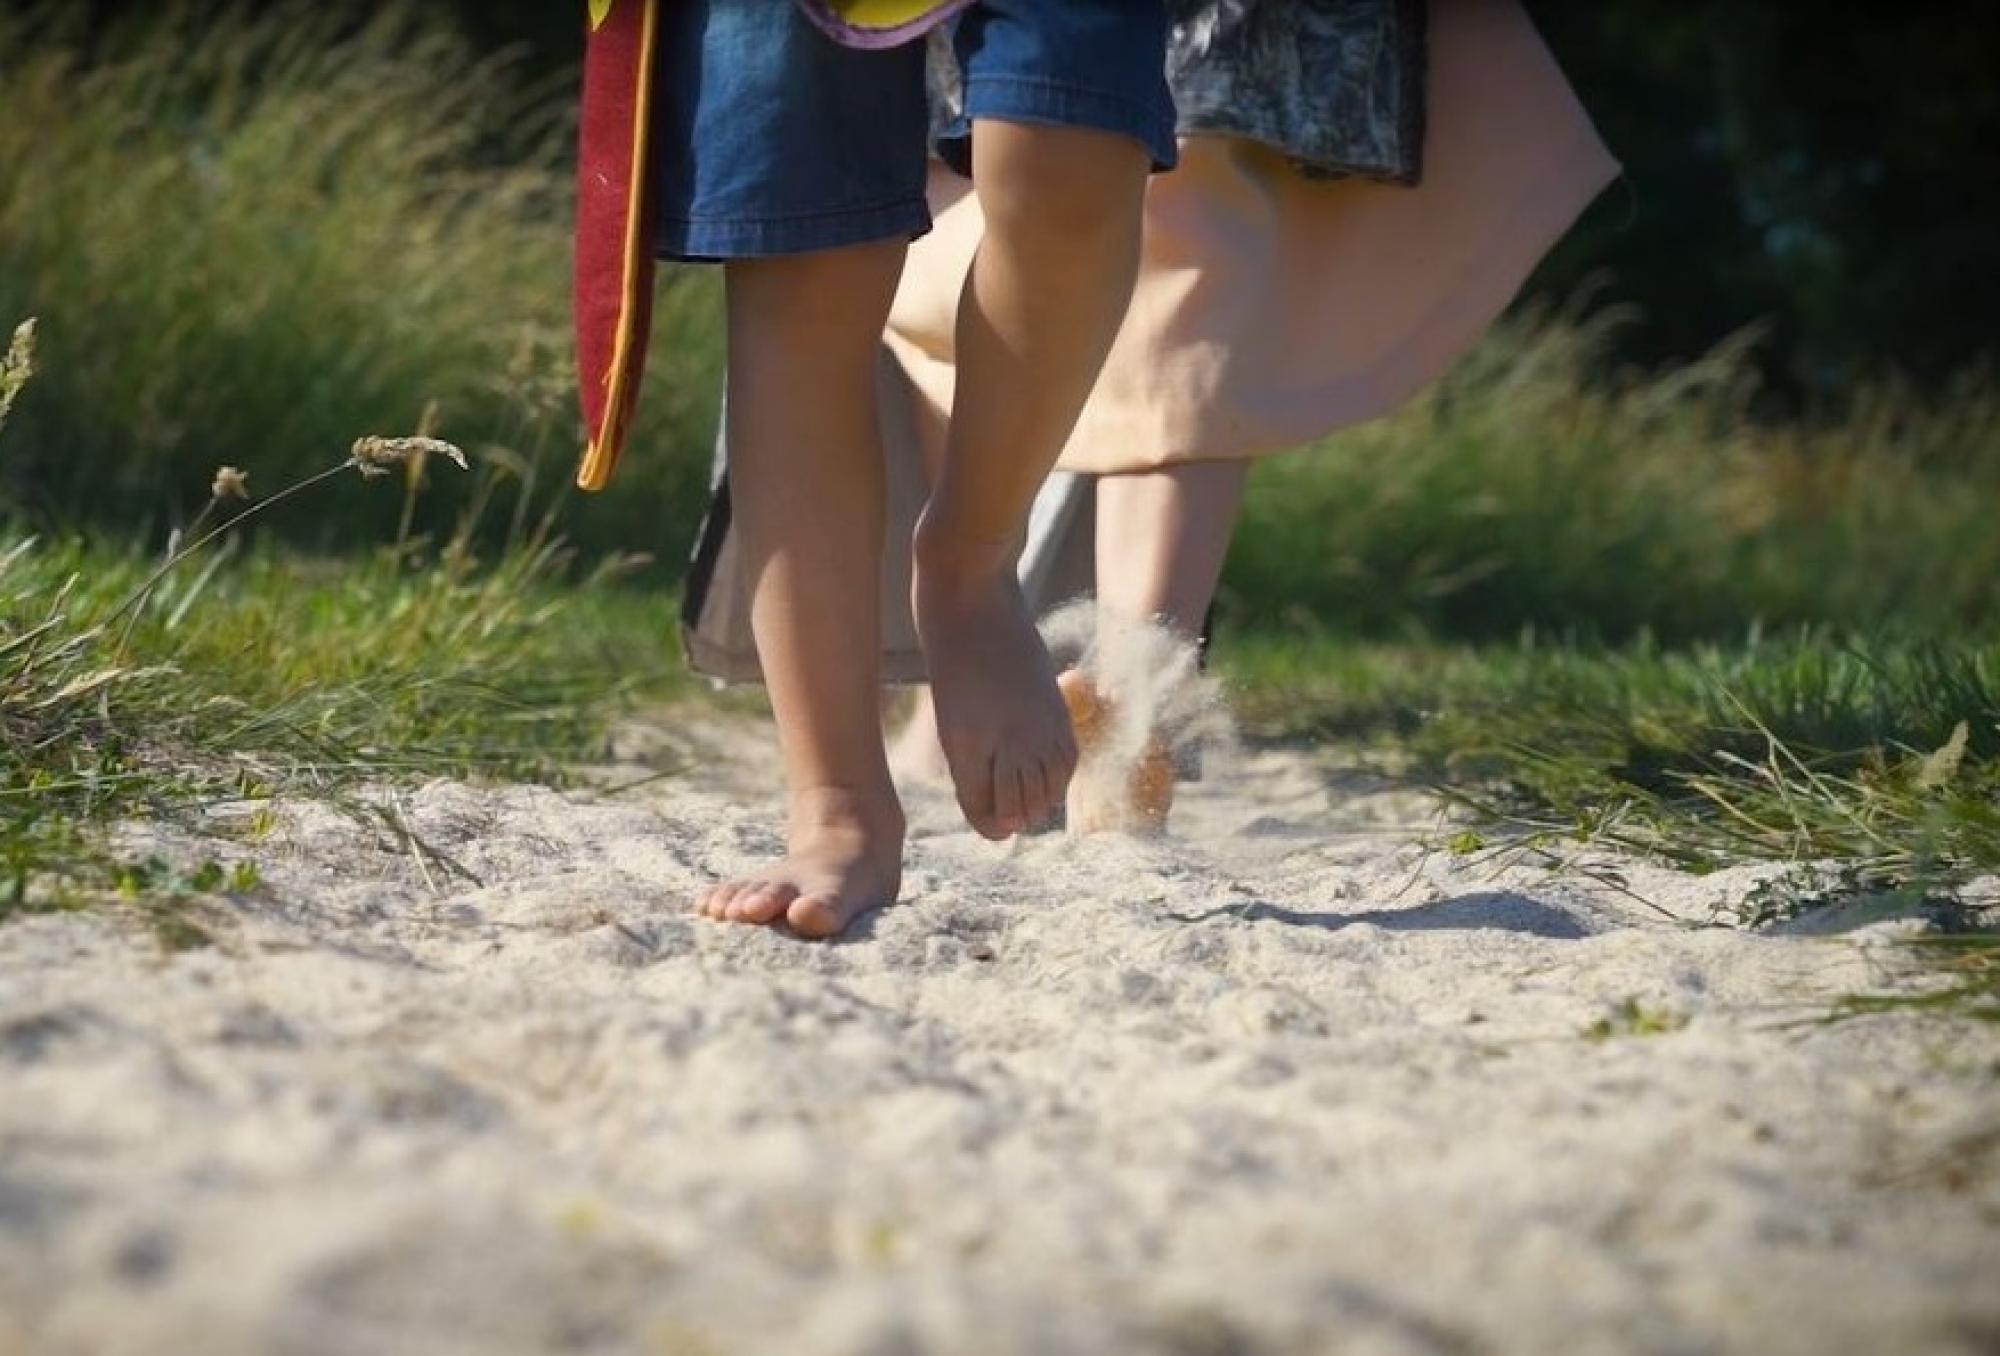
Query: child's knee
pixel 835 297
pixel 1070 187
pixel 832 281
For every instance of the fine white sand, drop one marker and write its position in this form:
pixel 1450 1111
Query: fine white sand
pixel 1287 1082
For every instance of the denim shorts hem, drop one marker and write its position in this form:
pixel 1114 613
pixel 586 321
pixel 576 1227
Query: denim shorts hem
pixel 709 239
pixel 1048 103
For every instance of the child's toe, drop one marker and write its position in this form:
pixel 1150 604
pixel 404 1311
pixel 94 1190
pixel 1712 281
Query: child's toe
pixel 1037 801
pixel 817 915
pixel 761 903
pixel 1009 802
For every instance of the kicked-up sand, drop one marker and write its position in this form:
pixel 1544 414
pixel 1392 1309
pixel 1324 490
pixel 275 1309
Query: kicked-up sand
pixel 1289 1081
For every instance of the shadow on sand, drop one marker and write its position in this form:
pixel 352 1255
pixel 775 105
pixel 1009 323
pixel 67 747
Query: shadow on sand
pixel 1492 910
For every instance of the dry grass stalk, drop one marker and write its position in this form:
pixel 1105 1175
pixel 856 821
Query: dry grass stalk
pixel 373 455
pixel 17 366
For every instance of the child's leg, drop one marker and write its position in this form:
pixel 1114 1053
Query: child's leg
pixel 805 474
pixel 1042 303
pixel 1160 541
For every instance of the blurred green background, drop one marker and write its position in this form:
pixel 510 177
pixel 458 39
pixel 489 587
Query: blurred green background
pixel 1751 388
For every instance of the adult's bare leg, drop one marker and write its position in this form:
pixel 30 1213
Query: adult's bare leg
pixel 1162 536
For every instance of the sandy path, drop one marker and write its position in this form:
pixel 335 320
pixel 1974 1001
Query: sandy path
pixel 1288 1084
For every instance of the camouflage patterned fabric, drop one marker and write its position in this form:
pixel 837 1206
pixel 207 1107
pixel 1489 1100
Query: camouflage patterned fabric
pixel 1337 85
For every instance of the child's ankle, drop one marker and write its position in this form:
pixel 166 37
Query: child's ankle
pixel 872 811
pixel 942 546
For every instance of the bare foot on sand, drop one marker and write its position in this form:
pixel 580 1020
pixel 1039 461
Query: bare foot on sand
pixel 845 858
pixel 1003 727
pixel 1135 799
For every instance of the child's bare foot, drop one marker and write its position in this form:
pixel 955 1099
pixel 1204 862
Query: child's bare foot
pixel 1005 733
pixel 845 858
pixel 1136 799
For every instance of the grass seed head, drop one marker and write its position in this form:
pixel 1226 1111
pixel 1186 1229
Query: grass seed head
pixel 230 483
pixel 373 455
pixel 17 366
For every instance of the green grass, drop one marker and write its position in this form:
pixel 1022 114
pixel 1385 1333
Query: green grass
pixel 1969 967
pixel 1633 1018
pixel 1873 766
pixel 137 685
pixel 278 674
pixel 1883 756
pixel 133 686
pixel 1532 489
pixel 251 232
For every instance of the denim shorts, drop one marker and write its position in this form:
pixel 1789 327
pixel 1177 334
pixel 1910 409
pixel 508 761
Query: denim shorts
pixel 774 139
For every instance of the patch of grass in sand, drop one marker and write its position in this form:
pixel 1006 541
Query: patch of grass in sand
pixel 1880 757
pixel 267 674
pixel 132 687
pixel 1968 967
pixel 1634 1018
pixel 1872 765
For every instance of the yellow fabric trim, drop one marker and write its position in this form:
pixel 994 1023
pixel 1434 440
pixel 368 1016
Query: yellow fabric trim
pixel 599 457
pixel 600 10
pixel 883 13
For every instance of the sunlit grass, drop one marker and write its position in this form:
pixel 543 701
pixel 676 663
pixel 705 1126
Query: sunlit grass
pixel 1533 489
pixel 250 232
pixel 133 686
pixel 1880 755
pixel 283 675
pixel 1871 766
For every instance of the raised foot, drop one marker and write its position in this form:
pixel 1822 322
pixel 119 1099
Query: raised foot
pixel 1000 721
pixel 845 858
pixel 1106 795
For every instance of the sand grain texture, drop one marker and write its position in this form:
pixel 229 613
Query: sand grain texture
pixel 1284 1083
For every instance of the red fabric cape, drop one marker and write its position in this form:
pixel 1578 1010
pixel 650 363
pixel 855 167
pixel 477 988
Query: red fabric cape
pixel 613 298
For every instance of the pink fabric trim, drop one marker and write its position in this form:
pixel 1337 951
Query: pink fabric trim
pixel 872 39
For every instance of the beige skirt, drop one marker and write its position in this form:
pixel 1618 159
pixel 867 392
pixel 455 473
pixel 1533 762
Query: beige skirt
pixel 1270 310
